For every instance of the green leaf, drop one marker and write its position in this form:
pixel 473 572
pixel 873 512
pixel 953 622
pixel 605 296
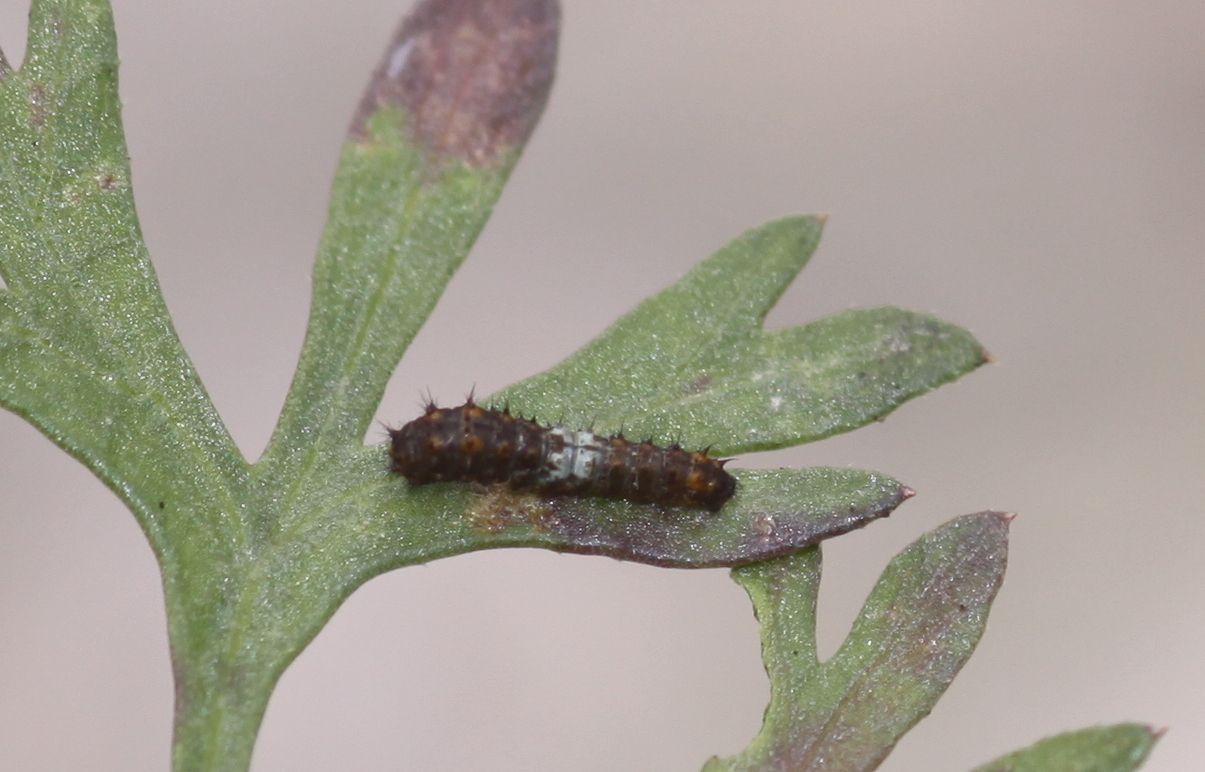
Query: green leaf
pixel 693 363
pixel 443 121
pixel 1117 748
pixel 917 629
pixel 87 350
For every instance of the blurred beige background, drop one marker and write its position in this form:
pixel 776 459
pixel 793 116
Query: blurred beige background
pixel 1034 171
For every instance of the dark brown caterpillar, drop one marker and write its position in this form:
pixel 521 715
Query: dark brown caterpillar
pixel 470 443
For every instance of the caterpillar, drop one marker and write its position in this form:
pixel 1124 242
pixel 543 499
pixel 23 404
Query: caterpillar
pixel 474 444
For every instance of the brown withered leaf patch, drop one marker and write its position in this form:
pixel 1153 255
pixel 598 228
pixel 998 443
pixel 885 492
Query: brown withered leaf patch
pixel 471 75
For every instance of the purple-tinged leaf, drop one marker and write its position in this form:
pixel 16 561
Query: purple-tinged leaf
pixel 916 630
pixel 773 513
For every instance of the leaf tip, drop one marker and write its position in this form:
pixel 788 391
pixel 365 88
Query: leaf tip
pixel 471 76
pixel 906 493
